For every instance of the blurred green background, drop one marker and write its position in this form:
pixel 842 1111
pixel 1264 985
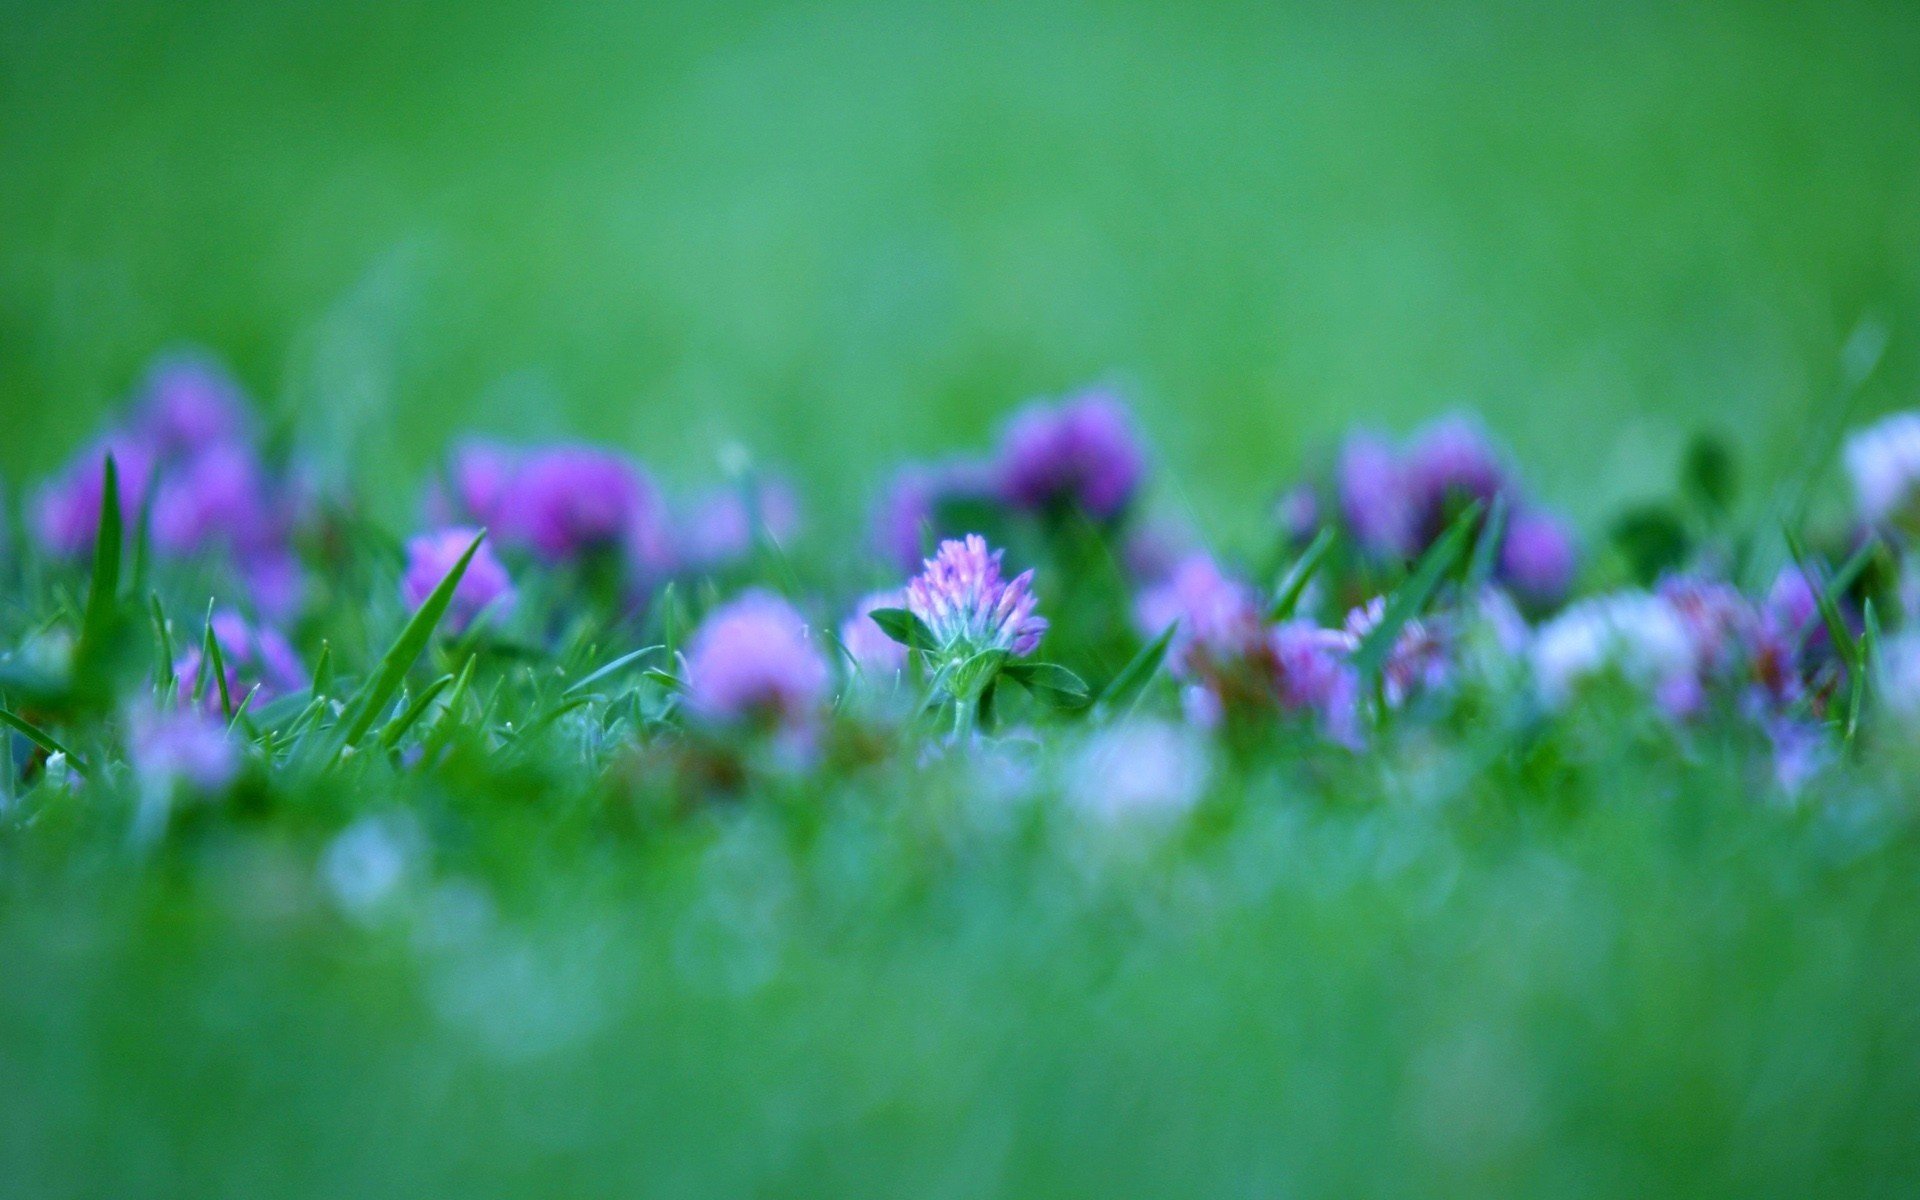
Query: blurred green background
pixel 840 233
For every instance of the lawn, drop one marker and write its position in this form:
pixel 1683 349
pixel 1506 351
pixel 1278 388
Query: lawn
pixel 530 945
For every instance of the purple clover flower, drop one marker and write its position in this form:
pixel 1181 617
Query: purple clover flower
pixel 171 748
pixel 479 483
pixel 188 404
pixel 1449 462
pixel 1538 558
pixel 567 501
pixel 1082 452
pixel 1420 661
pixel 1309 674
pixel 1375 500
pixel 1219 617
pixel 66 509
pixel 969 607
pixel 751 661
pixel 909 509
pixel 485 588
pixel 876 654
pixel 258 659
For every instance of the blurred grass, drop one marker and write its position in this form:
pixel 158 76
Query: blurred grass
pixel 845 232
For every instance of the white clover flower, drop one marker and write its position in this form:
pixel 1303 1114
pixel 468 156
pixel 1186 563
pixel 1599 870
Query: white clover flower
pixel 1638 634
pixel 1884 461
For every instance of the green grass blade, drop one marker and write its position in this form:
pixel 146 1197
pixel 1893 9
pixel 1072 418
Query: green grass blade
pixel 41 738
pixel 380 688
pixel 164 679
pixel 1293 585
pixel 217 663
pixel 610 668
pixel 1411 597
pixel 1127 687
pixel 103 591
pixel 1825 596
pixel 397 728
pixel 1486 547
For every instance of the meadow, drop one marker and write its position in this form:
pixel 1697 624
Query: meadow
pixel 1456 737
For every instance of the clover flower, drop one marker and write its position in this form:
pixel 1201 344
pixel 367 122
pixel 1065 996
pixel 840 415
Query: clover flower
pixel 486 586
pixel 1636 634
pixel 1450 462
pixel 1884 463
pixel 189 403
pixel 66 508
pixel 1420 661
pixel 1371 483
pixel 1081 453
pixel 180 747
pixel 751 661
pixel 1219 617
pixel 962 598
pixel 909 511
pixel 1538 558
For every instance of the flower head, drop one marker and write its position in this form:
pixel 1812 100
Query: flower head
pixel 969 607
pixel 177 747
pixel 1450 461
pixel 1884 461
pixel 910 508
pixel 189 403
pixel 66 509
pixel 1538 558
pixel 1640 636
pixel 1375 500
pixel 1082 452
pixel 751 660
pixel 566 501
pixel 485 587
pixel 1420 661
pixel 1219 617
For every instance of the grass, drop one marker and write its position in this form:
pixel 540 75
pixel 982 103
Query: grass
pixel 1597 960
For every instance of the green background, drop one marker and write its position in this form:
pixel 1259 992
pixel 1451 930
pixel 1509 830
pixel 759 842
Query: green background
pixel 843 233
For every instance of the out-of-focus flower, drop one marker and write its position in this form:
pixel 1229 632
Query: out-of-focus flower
pixel 877 655
pixel 189 404
pixel 1453 460
pixel 479 483
pixel 180 747
pixel 367 862
pixel 906 521
pixel 1310 673
pixel 1538 558
pixel 1375 499
pixel 1081 452
pixel 1219 617
pixel 1142 770
pixel 1899 676
pixel 219 498
pixel 963 599
pixel 1636 634
pixel 66 509
pixel 258 658
pixel 724 524
pixel 485 588
pixel 1721 623
pixel 751 661
pixel 1297 512
pixel 1884 461
pixel 1420 661
pixel 567 501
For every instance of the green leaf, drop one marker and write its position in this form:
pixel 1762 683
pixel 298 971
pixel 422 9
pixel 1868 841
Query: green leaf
pixel 905 628
pixel 970 677
pixel 1131 682
pixel 1863 668
pixel 379 689
pixel 609 669
pixel 1708 475
pixel 41 738
pixel 1050 683
pixel 1652 540
pixel 1411 597
pixel 1293 584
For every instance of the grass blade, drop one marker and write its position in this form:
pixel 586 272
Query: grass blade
pixel 1411 597
pixel 1293 584
pixel 1131 682
pixel 103 591
pixel 164 678
pixel 397 728
pixel 41 738
pixel 380 688
pixel 609 669
pixel 217 663
pixel 1486 547
pixel 1826 597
